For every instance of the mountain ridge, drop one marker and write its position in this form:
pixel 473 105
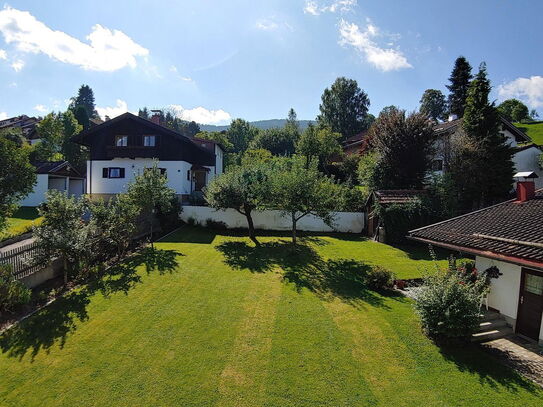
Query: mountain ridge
pixel 260 124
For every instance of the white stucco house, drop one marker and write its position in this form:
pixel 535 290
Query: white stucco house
pixel 58 175
pixel 508 236
pixel 124 146
pixel 526 153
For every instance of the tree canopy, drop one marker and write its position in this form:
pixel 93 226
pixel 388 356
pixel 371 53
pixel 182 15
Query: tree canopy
pixel 514 110
pixel 277 141
pixel 404 144
pixel 458 87
pixel 84 98
pixel 433 104
pixel 17 177
pixel 344 108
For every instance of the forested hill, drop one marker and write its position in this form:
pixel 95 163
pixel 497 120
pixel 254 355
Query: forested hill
pixel 261 124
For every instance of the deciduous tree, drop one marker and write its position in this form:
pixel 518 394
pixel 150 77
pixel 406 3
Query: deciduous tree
pixel 514 110
pixel 344 108
pixel 298 191
pixel 403 145
pixel 17 177
pixel 242 188
pixel 433 104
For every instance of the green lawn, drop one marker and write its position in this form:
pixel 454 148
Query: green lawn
pixel 21 222
pixel 210 320
pixel 533 130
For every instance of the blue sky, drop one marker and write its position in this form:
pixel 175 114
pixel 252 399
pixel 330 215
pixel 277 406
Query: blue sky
pixel 216 60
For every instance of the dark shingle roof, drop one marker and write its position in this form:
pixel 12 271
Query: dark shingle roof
pixel 451 126
pixel 511 229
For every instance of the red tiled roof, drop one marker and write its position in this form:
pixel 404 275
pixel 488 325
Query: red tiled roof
pixel 510 229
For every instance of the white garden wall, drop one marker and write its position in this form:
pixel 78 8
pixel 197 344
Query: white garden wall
pixel 350 222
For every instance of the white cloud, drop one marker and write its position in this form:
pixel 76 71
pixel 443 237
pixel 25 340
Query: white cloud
pixel 107 50
pixel 3 54
pixel 113 111
pixel 40 108
pixel 266 25
pixel 174 70
pixel 315 8
pixel 3 115
pixel 529 90
pixel 382 58
pixel 12 84
pixel 201 115
pixel 18 64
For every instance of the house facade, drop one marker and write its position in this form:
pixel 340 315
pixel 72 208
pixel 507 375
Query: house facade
pixel 525 157
pixel 122 147
pixel 508 236
pixel 57 175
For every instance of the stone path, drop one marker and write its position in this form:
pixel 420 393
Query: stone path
pixel 524 356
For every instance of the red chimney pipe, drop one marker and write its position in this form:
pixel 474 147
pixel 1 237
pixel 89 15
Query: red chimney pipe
pixel 156 118
pixel 525 190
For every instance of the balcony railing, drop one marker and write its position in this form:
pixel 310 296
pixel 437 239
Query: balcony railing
pixel 131 152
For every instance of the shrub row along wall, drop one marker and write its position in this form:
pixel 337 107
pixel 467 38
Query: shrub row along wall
pixel 349 222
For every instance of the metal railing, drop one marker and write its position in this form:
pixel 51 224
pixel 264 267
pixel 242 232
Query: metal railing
pixel 21 260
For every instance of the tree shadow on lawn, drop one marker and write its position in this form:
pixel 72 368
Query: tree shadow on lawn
pixel 471 358
pixel 305 268
pixel 53 323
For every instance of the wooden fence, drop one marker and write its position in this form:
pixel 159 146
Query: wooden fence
pixel 21 260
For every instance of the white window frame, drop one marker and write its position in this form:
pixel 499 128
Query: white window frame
pixel 149 137
pixel 123 139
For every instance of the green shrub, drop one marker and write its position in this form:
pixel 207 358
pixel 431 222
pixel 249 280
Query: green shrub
pixel 12 292
pixel 399 219
pixel 379 278
pixel 191 221
pixel 214 224
pixel 448 305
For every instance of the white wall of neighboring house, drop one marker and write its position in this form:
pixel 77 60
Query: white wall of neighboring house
pixel 349 222
pixel 505 290
pixel 176 172
pixel 37 196
pixel 527 160
pixel 219 154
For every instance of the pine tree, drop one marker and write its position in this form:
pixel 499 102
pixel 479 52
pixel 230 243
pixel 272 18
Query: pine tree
pixel 85 98
pixel 459 84
pixel 482 168
pixel 144 113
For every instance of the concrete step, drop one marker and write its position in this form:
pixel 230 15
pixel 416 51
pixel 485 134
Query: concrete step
pixel 492 325
pixel 489 335
pixel 490 315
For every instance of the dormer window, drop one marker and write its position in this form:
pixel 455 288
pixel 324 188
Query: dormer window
pixel 149 141
pixel 121 141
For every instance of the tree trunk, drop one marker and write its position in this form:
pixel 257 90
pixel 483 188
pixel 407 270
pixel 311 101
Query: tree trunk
pixel 250 223
pixel 65 271
pixel 294 228
pixel 152 221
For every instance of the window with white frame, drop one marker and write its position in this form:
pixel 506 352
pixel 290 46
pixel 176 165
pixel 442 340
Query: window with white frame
pixel 121 141
pixel 149 141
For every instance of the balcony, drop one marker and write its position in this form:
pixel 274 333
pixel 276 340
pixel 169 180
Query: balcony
pixel 131 152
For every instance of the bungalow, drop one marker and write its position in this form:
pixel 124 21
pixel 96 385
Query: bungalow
pixel 124 146
pixel 59 175
pixel 508 236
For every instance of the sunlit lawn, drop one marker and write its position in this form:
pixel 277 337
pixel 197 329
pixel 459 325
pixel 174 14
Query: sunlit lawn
pixel 235 325
pixel 21 222
pixel 533 130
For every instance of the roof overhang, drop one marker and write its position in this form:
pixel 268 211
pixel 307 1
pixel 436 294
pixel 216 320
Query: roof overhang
pixel 491 255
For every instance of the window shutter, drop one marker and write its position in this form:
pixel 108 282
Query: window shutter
pixel 105 172
pixel 121 172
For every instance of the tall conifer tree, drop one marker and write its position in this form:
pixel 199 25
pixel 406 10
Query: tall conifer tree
pixel 459 84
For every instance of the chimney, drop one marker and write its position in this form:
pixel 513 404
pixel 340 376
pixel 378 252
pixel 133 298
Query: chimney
pixel 155 118
pixel 526 187
pixel 452 117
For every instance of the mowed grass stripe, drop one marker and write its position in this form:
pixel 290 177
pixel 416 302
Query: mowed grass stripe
pixel 385 361
pixel 459 375
pixel 311 363
pixel 242 381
